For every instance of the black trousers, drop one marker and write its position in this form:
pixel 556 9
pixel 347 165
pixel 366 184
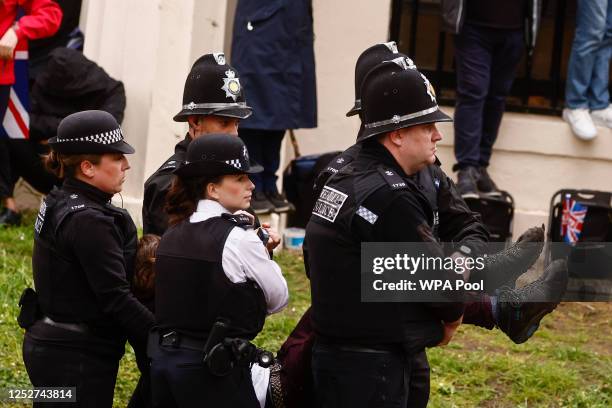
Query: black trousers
pixel 486 65
pixel 179 379
pixel 264 148
pixel 369 379
pixel 59 365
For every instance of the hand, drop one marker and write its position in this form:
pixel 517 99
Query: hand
pixel 7 44
pixel 449 331
pixel 274 240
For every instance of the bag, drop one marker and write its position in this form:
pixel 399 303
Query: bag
pixel 497 214
pixel 588 248
pixel 298 185
pixel 30 311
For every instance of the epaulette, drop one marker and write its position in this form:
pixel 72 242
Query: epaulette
pixel 169 165
pixel 77 203
pixel 241 220
pixel 395 181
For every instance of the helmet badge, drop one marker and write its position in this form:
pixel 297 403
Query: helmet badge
pixel 430 89
pixel 231 85
pixel 220 58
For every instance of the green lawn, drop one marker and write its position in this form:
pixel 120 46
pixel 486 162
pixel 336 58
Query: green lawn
pixel 568 363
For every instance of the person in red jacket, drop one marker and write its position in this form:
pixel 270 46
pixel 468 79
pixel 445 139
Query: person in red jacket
pixel 41 19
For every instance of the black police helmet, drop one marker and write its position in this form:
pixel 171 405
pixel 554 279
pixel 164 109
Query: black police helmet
pixel 213 88
pixel 395 95
pixel 368 60
pixel 90 132
pixel 216 155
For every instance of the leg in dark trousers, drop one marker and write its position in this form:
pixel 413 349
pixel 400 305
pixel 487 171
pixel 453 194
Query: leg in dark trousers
pixel 93 375
pixel 272 146
pixel 473 56
pixel 180 379
pixel 418 396
pixel 253 142
pixel 506 57
pixel 351 379
pixel 264 148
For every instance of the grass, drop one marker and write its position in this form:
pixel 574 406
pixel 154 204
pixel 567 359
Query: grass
pixel 568 362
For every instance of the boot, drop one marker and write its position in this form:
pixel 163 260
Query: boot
pixel 466 182
pixel 503 268
pixel 521 310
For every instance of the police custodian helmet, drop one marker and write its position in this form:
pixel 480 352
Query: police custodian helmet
pixel 216 155
pixel 90 132
pixel 213 88
pixel 368 60
pixel 395 95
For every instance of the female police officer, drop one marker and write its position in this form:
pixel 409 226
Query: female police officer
pixel 82 263
pixel 210 266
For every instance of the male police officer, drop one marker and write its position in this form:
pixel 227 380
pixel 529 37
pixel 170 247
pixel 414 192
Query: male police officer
pixel 455 222
pixel 213 102
pixel 364 351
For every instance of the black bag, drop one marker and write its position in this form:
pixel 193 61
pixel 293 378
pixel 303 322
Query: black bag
pixel 298 185
pixel 497 214
pixel 591 257
pixel 30 310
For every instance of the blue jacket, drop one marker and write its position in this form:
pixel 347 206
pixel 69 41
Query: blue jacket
pixel 272 49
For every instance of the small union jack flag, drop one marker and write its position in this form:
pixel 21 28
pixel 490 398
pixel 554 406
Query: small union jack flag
pixel 16 120
pixel 572 220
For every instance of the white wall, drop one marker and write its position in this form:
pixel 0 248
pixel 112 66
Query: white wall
pixel 343 29
pixel 150 45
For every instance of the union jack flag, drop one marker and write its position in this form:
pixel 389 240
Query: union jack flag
pixel 16 120
pixel 572 220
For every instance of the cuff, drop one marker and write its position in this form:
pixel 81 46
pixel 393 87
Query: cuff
pixel 20 35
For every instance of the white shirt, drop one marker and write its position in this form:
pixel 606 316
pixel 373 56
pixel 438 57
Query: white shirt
pixel 245 257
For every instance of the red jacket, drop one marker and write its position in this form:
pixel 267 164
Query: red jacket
pixel 42 19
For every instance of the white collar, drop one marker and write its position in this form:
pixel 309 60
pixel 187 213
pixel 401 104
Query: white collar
pixel 207 209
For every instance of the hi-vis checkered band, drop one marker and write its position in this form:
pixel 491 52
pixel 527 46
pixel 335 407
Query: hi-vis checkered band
pixel 235 163
pixel 105 138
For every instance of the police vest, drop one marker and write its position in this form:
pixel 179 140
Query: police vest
pixel 334 259
pixel 191 289
pixel 427 180
pixel 63 291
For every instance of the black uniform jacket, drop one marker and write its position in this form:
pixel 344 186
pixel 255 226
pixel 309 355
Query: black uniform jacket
pixel 154 218
pixel 83 263
pixel 457 224
pixel 332 256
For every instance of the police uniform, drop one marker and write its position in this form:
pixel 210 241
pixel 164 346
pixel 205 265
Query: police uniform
pixel 452 217
pixel 82 262
pixel 211 267
pixel 211 88
pixel 370 347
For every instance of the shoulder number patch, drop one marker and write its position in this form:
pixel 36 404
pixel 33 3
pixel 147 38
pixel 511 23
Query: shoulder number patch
pixel 329 203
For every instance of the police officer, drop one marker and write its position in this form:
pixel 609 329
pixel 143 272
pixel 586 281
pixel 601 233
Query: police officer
pixel 364 351
pixel 455 221
pixel 213 102
pixel 82 262
pixel 212 270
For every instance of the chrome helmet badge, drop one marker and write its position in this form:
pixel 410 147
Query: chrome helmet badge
pixel 231 85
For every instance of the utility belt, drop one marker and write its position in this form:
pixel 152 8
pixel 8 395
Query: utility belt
pixel 220 353
pixel 327 345
pixel 31 313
